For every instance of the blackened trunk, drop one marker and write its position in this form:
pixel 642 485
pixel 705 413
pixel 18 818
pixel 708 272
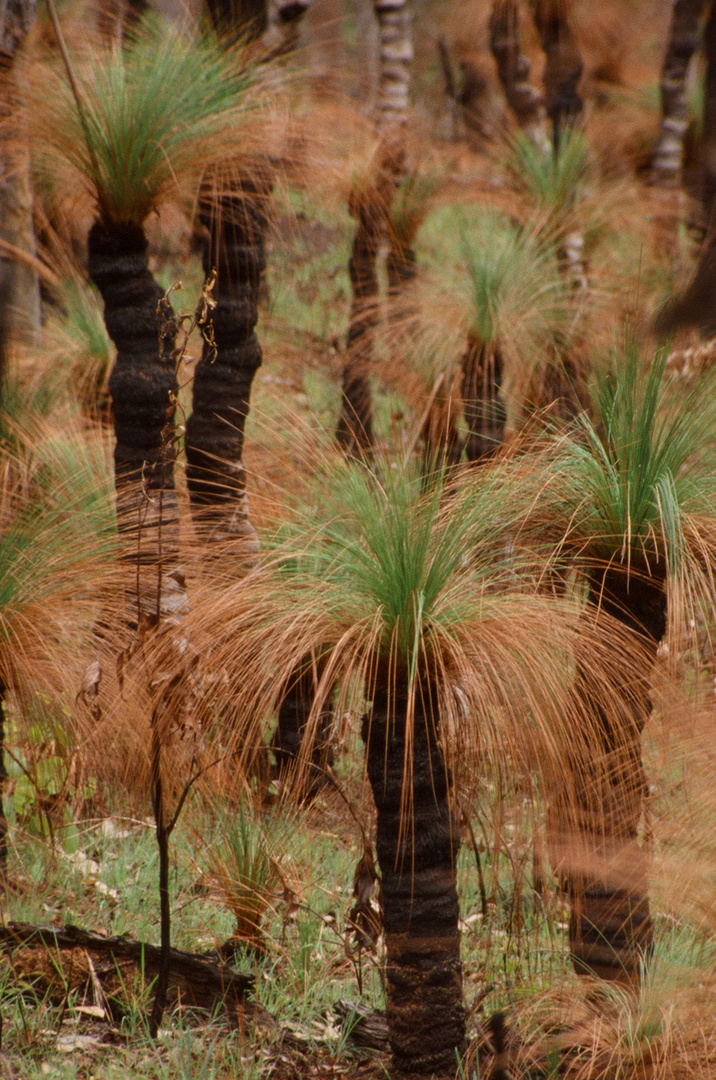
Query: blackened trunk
pixel 236 222
pixel 610 929
pixel 513 69
pixel 683 41
pixel 238 18
pixel 442 443
pixel 143 388
pixel 355 424
pixel 417 845
pixel 563 65
pixel 475 104
pixel 303 777
pixel 560 387
pixel 483 404
pixel 402 271
pixel 370 210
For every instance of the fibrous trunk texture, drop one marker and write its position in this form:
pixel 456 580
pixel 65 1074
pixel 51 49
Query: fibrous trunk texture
pixel 417 845
pixel 304 777
pixel 239 18
pixel 355 424
pixel 513 68
pixel 475 103
pixel 143 388
pixel 563 65
pixel 683 41
pixel 610 928
pixel 483 404
pixel 696 306
pixel 395 60
pixel 560 386
pixel 235 222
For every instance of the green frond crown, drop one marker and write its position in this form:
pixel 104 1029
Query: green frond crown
pixel 147 120
pixel 512 277
pixel 644 463
pixel 552 180
pixel 400 558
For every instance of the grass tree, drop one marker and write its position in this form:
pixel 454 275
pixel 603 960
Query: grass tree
pixel 635 493
pixel 684 37
pixel 563 65
pixel 133 127
pixel 556 186
pixel 369 204
pixel 513 67
pixel 403 589
pixel 233 213
pixel 506 303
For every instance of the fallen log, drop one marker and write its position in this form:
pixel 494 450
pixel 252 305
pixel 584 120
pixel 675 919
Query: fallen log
pixel 195 981
pixel 365 1027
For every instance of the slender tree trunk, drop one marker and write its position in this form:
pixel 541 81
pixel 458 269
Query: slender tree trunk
pixel 235 220
pixel 483 404
pixel 143 388
pixel 370 209
pixel 696 306
pixel 684 38
pixel 563 65
pixel 355 424
pixel 610 928
pixel 234 215
pixel 417 846
pixel 395 59
pixel 513 68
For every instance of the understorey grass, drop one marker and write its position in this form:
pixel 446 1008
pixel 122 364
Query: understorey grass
pixel 255 881
pixel 514 945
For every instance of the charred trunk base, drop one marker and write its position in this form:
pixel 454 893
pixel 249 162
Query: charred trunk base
pixel 301 767
pixel 417 845
pixel 606 867
pixel 483 403
pixel 610 925
pixel 233 214
pixel 354 432
pixel 143 388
